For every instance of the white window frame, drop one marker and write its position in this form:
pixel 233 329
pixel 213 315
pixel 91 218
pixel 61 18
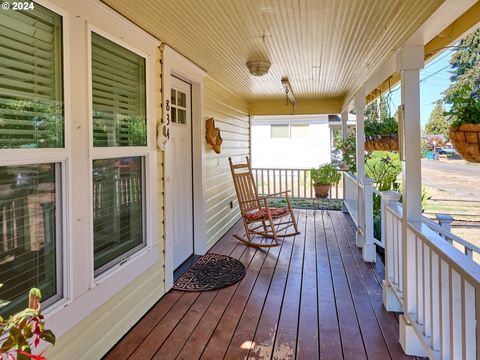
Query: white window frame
pixel 113 152
pixel 61 156
pixel 83 293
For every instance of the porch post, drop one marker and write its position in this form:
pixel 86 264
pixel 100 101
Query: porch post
pixel 344 137
pixel 360 152
pixel 409 62
pixel 360 132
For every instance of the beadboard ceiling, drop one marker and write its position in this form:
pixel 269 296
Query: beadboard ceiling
pixel 327 48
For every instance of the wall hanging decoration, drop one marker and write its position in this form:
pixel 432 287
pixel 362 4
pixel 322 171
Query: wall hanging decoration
pixel 163 134
pixel 213 136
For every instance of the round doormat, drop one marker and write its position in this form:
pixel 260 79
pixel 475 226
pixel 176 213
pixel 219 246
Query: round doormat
pixel 210 272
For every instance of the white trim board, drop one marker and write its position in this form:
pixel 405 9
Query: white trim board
pixel 174 64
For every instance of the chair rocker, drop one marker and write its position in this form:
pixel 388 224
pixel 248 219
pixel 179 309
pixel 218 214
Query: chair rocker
pixel 259 219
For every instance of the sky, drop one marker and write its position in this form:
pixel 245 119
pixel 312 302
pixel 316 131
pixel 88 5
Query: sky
pixel 434 79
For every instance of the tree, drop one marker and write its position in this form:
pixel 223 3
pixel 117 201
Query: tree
pixel 437 123
pixel 465 65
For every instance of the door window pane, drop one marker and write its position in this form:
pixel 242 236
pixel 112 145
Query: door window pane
pixel 182 116
pixel 118 95
pixel 31 86
pixel 28 234
pixel 279 131
pixel 117 209
pixel 182 99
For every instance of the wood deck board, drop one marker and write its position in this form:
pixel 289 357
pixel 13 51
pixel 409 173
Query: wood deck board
pixel 312 297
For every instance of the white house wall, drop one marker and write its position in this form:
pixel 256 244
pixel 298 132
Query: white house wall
pixel 297 153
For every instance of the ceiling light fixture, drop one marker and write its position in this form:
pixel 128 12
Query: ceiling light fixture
pixel 258 67
pixel 289 96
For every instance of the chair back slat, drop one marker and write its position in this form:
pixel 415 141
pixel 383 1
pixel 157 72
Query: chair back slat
pixel 245 186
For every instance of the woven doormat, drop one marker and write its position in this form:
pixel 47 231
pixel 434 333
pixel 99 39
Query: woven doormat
pixel 210 272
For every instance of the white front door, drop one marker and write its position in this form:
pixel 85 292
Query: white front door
pixel 179 171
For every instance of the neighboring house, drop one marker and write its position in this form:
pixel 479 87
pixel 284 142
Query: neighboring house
pixel 295 142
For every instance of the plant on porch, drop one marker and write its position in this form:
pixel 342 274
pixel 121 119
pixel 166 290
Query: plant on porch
pixel 464 96
pixel 465 122
pixel 323 177
pixel 20 328
pixel 381 129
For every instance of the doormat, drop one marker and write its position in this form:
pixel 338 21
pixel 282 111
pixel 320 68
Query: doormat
pixel 211 272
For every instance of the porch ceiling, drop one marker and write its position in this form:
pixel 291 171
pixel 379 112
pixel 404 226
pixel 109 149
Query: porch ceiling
pixel 327 48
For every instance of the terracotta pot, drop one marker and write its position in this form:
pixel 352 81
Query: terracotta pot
pixel 382 143
pixel 321 191
pixel 466 140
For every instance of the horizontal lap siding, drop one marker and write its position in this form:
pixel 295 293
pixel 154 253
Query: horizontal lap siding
pixel 97 333
pixel 231 116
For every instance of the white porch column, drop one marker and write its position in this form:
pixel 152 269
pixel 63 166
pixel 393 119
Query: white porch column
pixel 360 133
pixel 409 62
pixel 360 147
pixel 344 136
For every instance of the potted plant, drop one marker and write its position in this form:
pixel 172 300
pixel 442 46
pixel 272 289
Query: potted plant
pixel 381 134
pixel 323 177
pixel 464 116
pixel 21 328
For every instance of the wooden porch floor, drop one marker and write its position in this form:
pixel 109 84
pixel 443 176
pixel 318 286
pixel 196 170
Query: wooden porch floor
pixel 311 298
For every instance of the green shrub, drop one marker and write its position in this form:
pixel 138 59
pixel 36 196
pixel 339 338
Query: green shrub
pixel 325 174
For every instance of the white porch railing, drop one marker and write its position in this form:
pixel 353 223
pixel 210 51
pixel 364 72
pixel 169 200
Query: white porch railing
pixel 442 298
pixel 430 275
pixel 351 195
pixel 436 285
pixel 469 249
pixel 298 181
pixel 359 203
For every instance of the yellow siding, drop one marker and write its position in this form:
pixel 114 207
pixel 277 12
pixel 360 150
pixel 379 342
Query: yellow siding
pixel 96 334
pixel 231 116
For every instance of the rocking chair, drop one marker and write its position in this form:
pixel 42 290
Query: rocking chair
pixel 258 218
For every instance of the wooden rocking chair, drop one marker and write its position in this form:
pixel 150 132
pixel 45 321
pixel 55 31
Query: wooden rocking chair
pixel 258 218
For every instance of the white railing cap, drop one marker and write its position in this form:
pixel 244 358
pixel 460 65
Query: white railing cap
pixel 444 217
pixel 367 181
pixel 391 195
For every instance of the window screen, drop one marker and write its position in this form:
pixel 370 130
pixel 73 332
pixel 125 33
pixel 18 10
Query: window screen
pixel 31 85
pixel 117 209
pixel 28 233
pixel 279 131
pixel 118 95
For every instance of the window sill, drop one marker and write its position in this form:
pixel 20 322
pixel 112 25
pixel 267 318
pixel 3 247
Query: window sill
pixel 66 313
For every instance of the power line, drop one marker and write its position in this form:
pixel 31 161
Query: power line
pixel 438 59
pixel 436 72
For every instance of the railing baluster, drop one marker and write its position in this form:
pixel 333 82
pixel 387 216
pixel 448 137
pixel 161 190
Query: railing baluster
pixel 304 184
pixel 263 184
pixel 274 181
pixel 268 181
pixel 280 179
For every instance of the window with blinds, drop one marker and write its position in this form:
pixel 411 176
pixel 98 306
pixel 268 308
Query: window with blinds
pixel 31 84
pixel 118 95
pixel 28 234
pixel 279 131
pixel 117 209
